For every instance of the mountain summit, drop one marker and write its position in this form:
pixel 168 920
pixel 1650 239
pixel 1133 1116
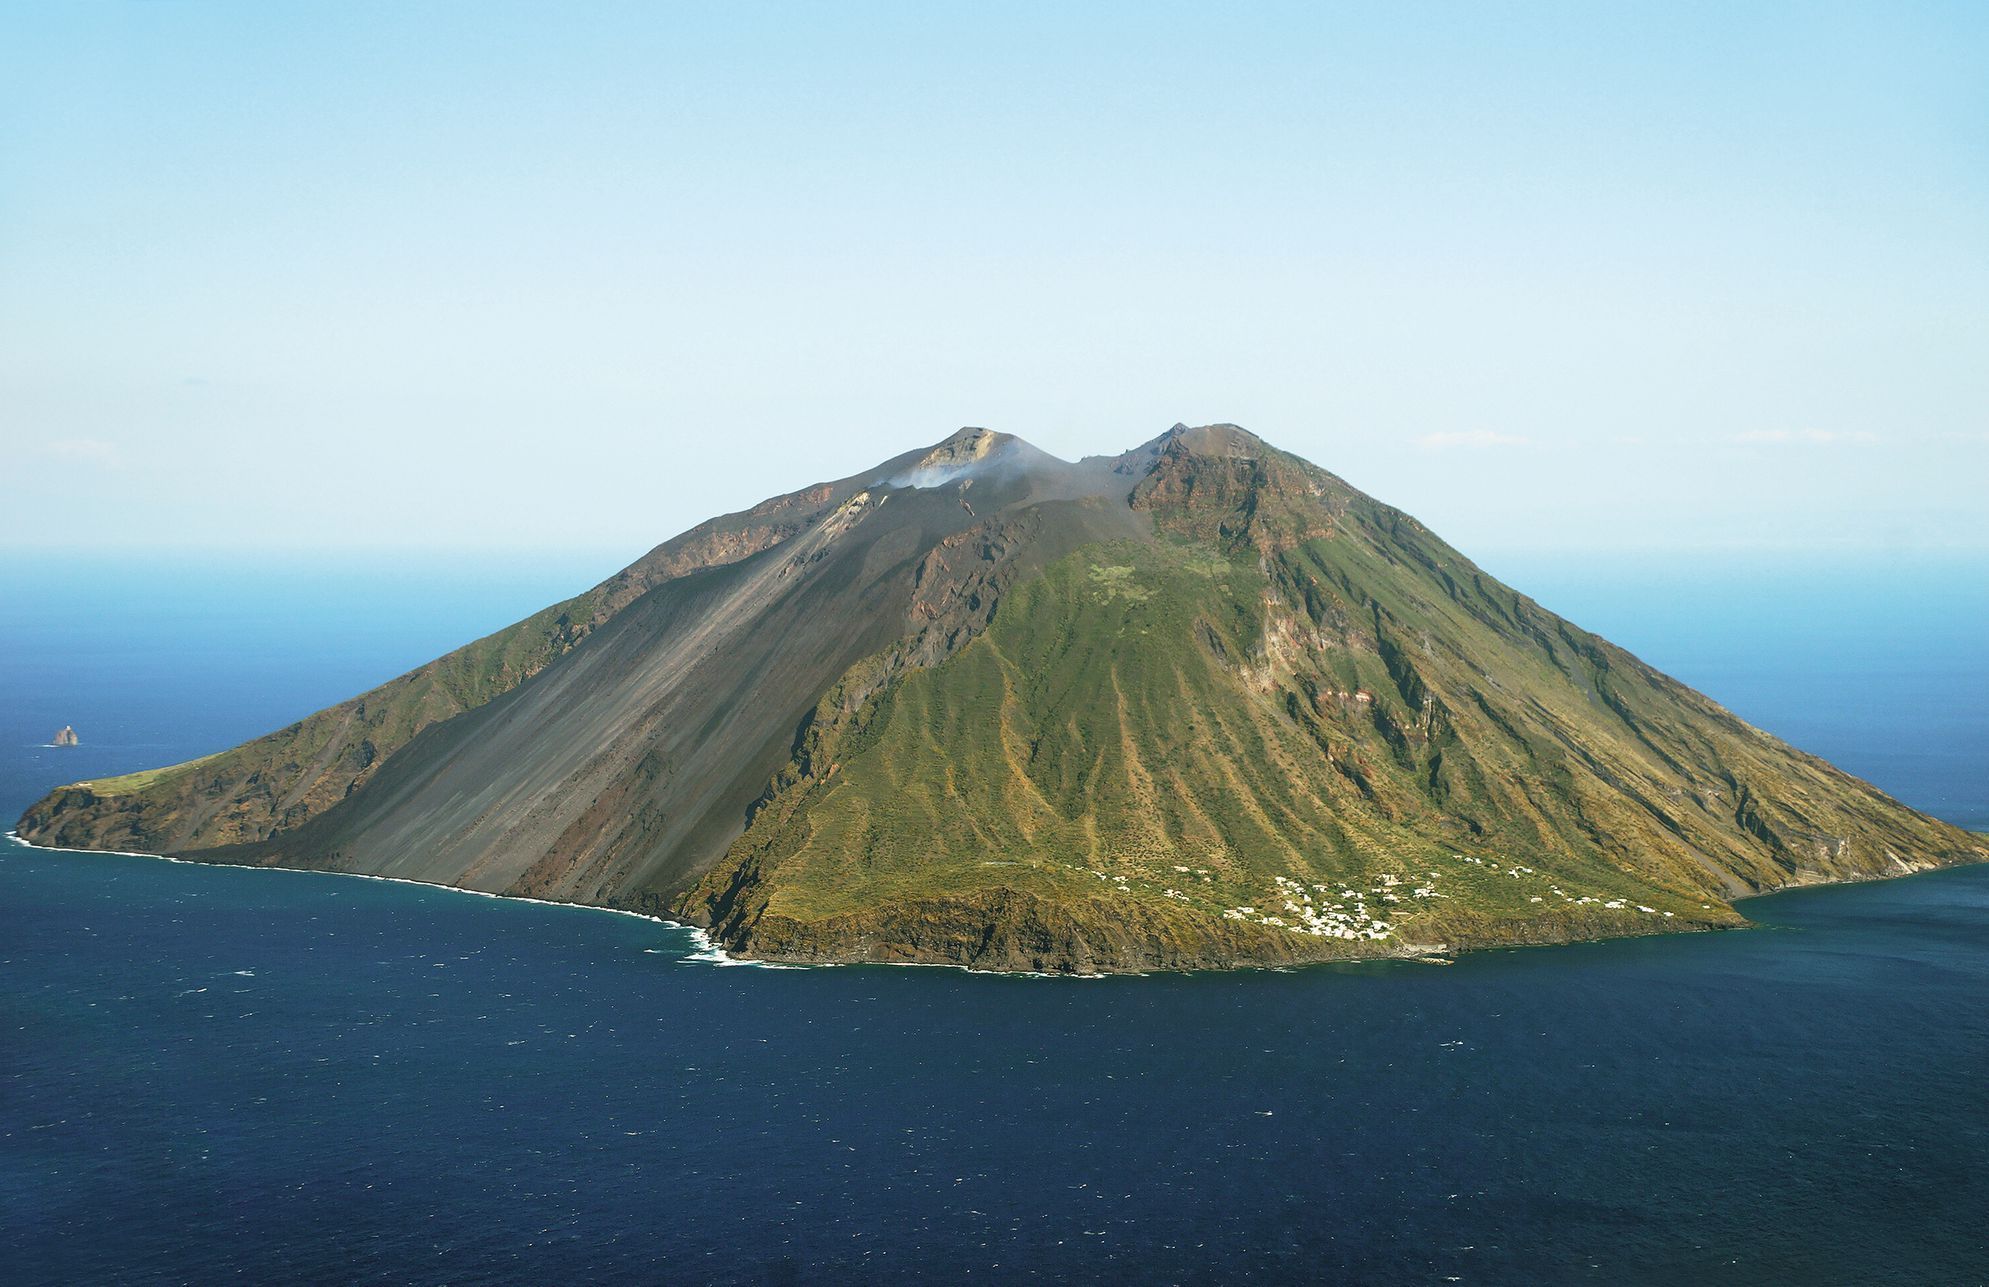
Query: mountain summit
pixel 1198 704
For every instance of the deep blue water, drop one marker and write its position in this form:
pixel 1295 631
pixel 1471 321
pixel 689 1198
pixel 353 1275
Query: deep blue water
pixel 210 1073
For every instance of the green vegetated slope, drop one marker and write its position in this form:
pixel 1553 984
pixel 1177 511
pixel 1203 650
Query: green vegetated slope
pixel 1298 727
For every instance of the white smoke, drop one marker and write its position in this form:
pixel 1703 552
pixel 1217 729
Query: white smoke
pixel 935 475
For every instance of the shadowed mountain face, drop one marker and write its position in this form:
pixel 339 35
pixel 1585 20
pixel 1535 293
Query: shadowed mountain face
pixel 1200 704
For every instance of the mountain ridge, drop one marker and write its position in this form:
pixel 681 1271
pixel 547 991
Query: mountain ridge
pixel 843 725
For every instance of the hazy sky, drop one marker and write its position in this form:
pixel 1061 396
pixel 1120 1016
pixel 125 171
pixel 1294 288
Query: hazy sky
pixel 1595 276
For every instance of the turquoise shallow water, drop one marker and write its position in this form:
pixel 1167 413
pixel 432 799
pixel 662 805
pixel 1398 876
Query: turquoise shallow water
pixel 211 1073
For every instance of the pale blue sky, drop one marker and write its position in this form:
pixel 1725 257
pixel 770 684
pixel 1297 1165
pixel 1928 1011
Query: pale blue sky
pixel 1589 276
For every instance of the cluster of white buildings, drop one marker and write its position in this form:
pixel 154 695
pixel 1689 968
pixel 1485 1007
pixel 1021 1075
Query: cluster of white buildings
pixel 1342 911
pixel 1350 918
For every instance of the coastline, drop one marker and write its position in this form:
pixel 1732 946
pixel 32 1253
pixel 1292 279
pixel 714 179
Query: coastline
pixel 708 952
pixel 1853 882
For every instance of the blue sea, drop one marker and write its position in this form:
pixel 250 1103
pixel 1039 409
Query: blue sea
pixel 212 1074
